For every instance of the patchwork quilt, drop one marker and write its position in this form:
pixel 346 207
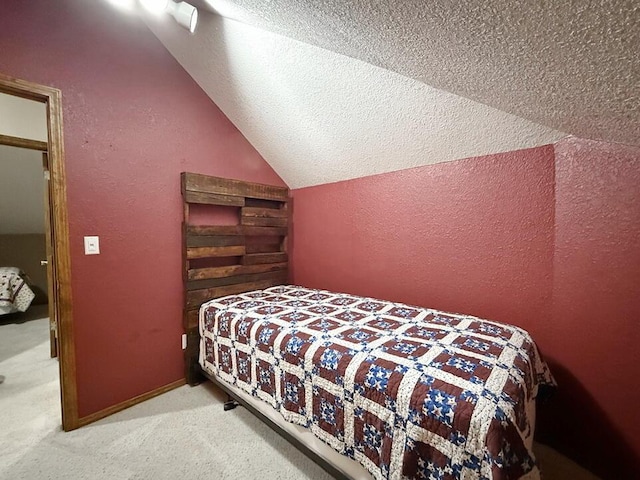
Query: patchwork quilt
pixel 15 294
pixel 407 392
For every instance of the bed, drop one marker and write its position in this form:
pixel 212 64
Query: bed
pixel 366 388
pixel 15 294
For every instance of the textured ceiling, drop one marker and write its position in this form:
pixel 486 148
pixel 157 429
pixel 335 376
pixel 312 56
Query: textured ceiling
pixel 570 65
pixel 319 117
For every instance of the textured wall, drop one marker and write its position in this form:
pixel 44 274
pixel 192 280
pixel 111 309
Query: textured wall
pixel 481 226
pixel 596 307
pixel 319 117
pixel 25 252
pixel 550 243
pixel 133 120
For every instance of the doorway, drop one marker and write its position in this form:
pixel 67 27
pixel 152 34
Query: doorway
pixel 58 253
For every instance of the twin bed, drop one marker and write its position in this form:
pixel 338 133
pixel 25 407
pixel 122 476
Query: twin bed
pixel 367 388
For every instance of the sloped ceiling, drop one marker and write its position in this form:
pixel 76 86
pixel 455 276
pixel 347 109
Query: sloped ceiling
pixel 336 90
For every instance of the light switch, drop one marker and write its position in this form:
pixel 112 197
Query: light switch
pixel 91 245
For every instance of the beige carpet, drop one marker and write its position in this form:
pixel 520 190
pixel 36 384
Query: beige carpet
pixel 184 434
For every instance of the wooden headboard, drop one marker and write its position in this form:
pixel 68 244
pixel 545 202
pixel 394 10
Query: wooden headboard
pixel 227 259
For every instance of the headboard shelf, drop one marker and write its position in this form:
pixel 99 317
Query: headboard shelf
pixel 264 212
pixel 215 240
pixel 233 270
pixel 224 260
pixel 234 279
pixel 235 230
pixel 260 258
pixel 196 298
pixel 213 199
pixel 208 252
pixel 195 182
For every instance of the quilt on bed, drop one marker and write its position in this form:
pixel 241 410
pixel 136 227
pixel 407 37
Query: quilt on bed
pixel 407 392
pixel 15 294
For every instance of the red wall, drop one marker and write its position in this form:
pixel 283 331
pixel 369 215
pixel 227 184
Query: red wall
pixel 425 235
pixel 594 347
pixel 133 120
pixel 544 238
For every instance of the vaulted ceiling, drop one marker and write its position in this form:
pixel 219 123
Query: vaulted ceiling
pixel 333 90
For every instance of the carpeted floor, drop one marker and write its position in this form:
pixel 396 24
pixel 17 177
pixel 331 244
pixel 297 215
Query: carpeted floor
pixel 184 434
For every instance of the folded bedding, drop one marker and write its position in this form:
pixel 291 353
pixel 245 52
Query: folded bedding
pixel 407 392
pixel 15 294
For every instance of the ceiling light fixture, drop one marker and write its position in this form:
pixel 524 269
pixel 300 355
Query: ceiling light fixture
pixel 184 13
pixel 155 6
pixel 124 4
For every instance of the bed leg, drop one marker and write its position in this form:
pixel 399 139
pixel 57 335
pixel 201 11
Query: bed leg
pixel 230 404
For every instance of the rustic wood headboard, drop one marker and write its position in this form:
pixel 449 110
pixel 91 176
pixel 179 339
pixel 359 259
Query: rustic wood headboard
pixel 227 259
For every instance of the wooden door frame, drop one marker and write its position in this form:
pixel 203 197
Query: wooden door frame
pixel 52 97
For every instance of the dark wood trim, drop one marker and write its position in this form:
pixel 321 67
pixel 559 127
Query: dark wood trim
pixel 324 464
pixel 52 97
pixel 23 143
pixel 130 403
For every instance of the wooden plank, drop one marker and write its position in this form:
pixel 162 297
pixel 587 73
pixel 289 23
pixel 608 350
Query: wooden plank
pixel 197 297
pixel 280 275
pixel 204 252
pixel 219 272
pixel 264 248
pixel 191 320
pixel 23 143
pixel 213 199
pixel 260 258
pixel 264 222
pixel 196 182
pixel 264 212
pixel 212 230
pixel 214 240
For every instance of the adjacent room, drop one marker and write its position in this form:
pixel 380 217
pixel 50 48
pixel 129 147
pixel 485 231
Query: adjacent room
pixel 289 239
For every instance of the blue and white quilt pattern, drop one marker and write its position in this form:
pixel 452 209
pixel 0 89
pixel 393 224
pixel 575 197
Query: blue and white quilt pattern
pixel 407 392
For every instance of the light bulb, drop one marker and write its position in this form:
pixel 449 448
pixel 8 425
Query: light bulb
pixel 155 6
pixel 124 4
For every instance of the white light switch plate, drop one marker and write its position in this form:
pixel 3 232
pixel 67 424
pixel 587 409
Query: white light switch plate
pixel 184 341
pixel 91 245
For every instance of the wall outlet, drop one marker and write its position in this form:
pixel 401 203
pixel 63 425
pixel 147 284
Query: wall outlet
pixel 184 341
